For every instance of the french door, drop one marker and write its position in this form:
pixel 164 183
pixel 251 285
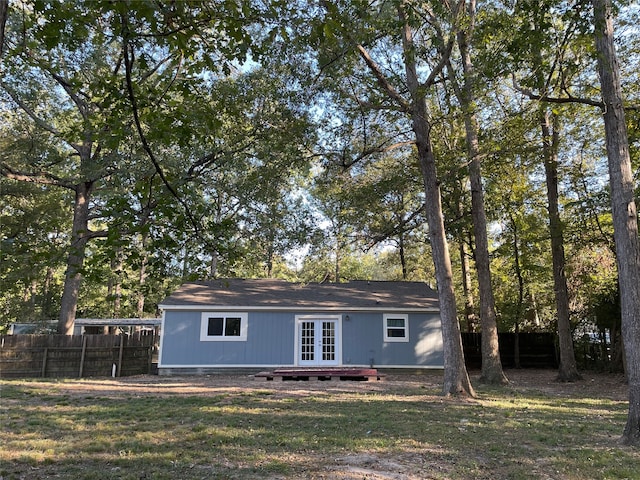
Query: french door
pixel 318 341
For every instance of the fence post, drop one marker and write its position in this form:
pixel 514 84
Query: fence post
pixel 120 355
pixel 150 358
pixel 44 362
pixel 84 350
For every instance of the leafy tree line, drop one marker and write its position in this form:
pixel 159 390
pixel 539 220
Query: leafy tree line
pixel 460 143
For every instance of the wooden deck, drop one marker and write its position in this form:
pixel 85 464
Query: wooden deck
pixel 322 374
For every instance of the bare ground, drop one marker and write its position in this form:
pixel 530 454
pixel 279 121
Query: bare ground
pixel 595 385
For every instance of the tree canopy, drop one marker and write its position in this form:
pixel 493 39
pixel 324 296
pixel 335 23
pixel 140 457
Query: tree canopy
pixel 460 143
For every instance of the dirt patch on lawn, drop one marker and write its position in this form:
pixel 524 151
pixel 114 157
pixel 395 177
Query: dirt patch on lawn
pixel 595 385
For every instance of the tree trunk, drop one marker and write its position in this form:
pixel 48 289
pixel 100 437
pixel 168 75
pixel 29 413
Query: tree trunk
pixel 516 345
pixel 47 295
pixel 213 265
pixel 4 13
pixel 623 206
pixel 403 260
pixel 270 255
pixel 616 364
pixel 75 260
pixel 520 304
pixel 456 378
pixel 492 372
pixel 142 276
pixel 469 314
pixel 336 266
pixel 532 315
pixel 116 270
pixel 568 371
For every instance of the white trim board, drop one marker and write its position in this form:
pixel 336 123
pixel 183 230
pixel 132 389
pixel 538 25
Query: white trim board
pixel 384 367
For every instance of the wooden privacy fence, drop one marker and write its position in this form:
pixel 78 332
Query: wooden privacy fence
pixel 526 350
pixel 75 356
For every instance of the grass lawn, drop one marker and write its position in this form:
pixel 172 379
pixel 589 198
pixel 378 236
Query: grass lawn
pixel 237 427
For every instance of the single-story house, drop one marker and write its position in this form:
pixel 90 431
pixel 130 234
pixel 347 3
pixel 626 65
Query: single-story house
pixel 209 326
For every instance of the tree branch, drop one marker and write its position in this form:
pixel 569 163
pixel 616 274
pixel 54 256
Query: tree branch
pixel 39 121
pixel 128 64
pixel 206 160
pixel 445 53
pixel 97 234
pixel 545 98
pixel 83 107
pixel 42 178
pixel 381 148
pixel 406 224
pixel 382 80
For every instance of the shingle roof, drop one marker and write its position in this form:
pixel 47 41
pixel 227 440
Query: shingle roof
pixel 271 293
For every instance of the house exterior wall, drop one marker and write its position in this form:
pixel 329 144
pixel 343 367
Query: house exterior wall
pixel 271 342
pixel 270 338
pixel 363 342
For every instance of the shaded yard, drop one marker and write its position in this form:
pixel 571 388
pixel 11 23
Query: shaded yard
pixel 238 427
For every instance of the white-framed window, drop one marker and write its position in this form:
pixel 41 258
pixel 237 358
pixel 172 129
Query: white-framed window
pixel 396 327
pixel 223 327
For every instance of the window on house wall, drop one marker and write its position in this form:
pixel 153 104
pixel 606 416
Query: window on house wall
pixel 223 327
pixel 396 328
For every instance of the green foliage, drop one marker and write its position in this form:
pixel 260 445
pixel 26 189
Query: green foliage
pixel 33 236
pixel 275 137
pixel 90 71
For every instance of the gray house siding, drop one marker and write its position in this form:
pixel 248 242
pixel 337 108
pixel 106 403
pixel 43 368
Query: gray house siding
pixel 271 341
pixel 363 342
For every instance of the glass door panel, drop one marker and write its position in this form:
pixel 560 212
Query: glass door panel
pixel 317 342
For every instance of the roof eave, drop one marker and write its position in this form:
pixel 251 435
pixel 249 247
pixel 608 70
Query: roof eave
pixel 316 308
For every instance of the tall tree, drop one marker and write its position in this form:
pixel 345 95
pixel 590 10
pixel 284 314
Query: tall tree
pixel 386 204
pixel 549 126
pixel 456 379
pixel 102 67
pixel 53 75
pixel 549 123
pixel 491 365
pixel 543 51
pixel 521 257
pixel 364 31
pixel 623 206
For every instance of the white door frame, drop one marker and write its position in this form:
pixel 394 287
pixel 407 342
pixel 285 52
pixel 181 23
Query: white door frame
pixel 318 319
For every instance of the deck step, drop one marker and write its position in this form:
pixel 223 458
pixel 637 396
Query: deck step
pixel 353 374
